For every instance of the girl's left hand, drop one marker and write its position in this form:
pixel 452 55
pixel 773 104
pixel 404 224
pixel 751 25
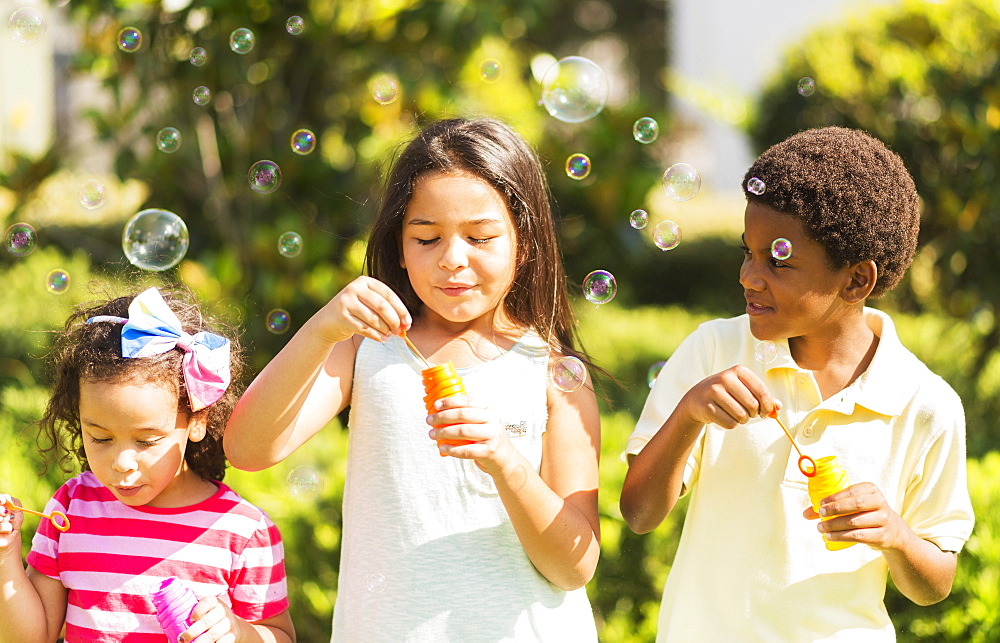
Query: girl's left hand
pixel 490 448
pixel 214 621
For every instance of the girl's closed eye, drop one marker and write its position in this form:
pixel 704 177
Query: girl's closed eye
pixel 427 242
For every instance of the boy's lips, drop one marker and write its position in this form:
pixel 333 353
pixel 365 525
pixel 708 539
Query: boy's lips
pixel 754 308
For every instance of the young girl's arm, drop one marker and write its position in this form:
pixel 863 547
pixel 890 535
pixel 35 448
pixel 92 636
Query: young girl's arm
pixel 554 511
pixel 32 605
pixel 309 381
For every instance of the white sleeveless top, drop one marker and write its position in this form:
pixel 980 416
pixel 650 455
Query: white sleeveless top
pixel 428 552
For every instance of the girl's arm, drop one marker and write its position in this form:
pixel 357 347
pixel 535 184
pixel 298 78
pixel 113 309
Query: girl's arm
pixel 309 381
pixel 554 511
pixel 32 605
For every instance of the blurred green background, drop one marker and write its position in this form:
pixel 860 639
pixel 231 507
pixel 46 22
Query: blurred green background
pixel 923 76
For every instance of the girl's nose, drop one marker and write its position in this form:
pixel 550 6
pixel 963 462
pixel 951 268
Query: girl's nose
pixel 453 254
pixel 125 461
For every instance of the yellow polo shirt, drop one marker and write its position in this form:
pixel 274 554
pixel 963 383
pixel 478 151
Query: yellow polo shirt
pixel 749 567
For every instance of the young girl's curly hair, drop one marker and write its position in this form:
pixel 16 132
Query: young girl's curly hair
pixel 94 352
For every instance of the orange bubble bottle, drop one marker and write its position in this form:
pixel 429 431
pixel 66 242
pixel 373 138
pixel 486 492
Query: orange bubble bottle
pixel 829 479
pixel 439 382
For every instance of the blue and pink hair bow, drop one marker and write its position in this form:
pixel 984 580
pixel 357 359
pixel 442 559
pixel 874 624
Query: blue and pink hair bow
pixel 152 329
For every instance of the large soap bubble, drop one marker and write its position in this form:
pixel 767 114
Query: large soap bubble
pixel 681 181
pixel 574 89
pixel 155 239
pixel 26 25
pixel 599 287
pixel 264 176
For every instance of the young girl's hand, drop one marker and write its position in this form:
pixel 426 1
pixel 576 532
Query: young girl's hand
pixel 364 307
pixel 728 398
pixel 490 446
pixel 214 621
pixel 10 523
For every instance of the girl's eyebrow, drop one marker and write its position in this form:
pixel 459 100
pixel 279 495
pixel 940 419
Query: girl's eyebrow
pixel 475 222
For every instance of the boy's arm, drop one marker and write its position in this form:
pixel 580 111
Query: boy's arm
pixel 32 605
pixel 655 475
pixel 922 572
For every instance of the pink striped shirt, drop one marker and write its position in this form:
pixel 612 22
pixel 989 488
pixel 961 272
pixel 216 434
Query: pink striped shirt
pixel 114 556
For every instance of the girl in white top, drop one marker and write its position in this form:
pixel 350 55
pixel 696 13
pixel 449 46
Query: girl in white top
pixel 496 542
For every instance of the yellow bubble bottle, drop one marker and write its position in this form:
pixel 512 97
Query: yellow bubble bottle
pixel 830 478
pixel 439 382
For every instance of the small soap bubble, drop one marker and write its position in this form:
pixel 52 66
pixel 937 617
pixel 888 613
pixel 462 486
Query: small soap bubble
pixel 765 352
pixel 304 482
pixel 681 181
pixel 201 95
pixel 578 166
pixel 574 89
pixel 26 25
pixel 264 176
pixel 667 235
pixel 638 219
pixel 375 583
pixel 242 40
pixel 756 186
pixel 278 321
pixel 168 140
pixel 198 57
pixel 20 239
pixel 599 287
pixel 781 249
pixel 489 70
pixel 57 281
pixel 295 25
pixel 290 244
pixel 653 372
pixel 807 86
pixel 129 40
pixel 646 130
pixel 155 239
pixel 303 141
pixel 385 89
pixel 92 194
pixel 568 373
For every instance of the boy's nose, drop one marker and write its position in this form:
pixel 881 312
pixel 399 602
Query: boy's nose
pixel 750 277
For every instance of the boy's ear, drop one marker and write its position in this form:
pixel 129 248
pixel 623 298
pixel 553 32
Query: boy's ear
pixel 863 277
pixel 198 425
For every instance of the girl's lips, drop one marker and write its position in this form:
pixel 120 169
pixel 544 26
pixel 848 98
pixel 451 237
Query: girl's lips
pixel 454 291
pixel 128 491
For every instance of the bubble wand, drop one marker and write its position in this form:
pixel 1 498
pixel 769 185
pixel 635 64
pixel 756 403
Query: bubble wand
pixel 802 458
pixel 439 381
pixel 57 518
pixel 415 350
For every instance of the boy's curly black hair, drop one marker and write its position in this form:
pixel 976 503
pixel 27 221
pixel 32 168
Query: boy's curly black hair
pixel 94 352
pixel 853 195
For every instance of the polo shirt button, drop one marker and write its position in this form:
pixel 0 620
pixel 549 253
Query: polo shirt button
pixel 808 432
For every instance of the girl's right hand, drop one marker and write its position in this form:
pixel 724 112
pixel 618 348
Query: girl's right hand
pixel 729 398
pixel 366 307
pixel 10 523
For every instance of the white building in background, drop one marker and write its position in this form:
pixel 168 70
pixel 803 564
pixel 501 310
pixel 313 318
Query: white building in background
pixel 731 48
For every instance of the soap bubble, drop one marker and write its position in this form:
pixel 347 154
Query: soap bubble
pixel 653 372
pixel 781 249
pixel 20 239
pixel 807 86
pixel 681 181
pixel 304 482
pixel 756 186
pixel 92 194
pixel 667 235
pixel 155 239
pixel 278 321
pixel 129 40
pixel 568 373
pixel 638 219
pixel 198 57
pixel 264 176
pixel 201 95
pixel 26 25
pixel 765 352
pixel 599 287
pixel 168 140
pixel 303 141
pixel 375 583
pixel 489 70
pixel 385 89
pixel 574 89
pixel 295 25
pixel 290 244
pixel 645 130
pixel 242 40
pixel 57 281
pixel 578 166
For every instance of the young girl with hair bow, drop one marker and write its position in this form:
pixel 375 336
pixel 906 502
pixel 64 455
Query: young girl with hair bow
pixel 141 396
